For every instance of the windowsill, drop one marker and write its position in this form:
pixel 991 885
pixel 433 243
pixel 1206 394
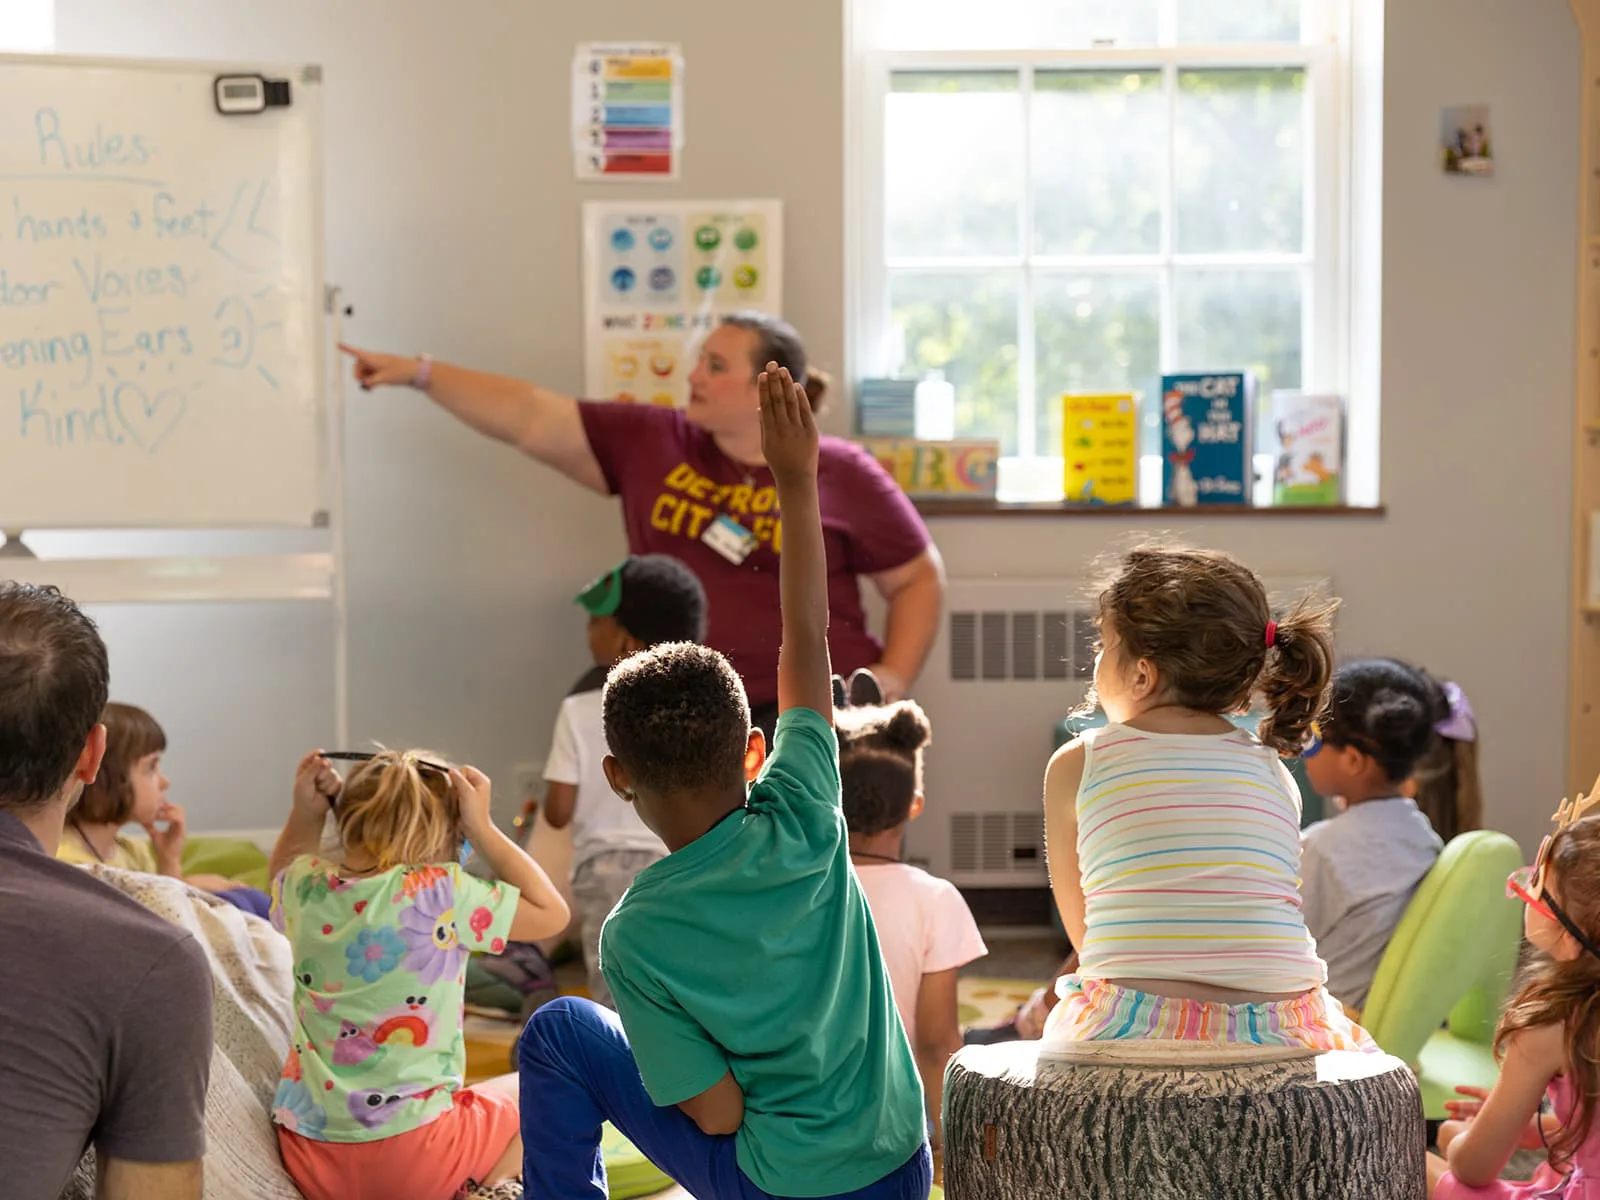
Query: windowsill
pixel 963 506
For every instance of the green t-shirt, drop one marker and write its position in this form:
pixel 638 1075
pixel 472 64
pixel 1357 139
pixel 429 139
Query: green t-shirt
pixel 751 950
pixel 379 968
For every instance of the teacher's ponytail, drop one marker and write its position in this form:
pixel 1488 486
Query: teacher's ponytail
pixel 778 341
pixel 817 383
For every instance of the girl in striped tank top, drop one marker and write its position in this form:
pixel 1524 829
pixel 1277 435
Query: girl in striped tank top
pixel 1174 837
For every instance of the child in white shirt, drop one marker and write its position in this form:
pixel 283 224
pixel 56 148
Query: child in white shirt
pixel 647 601
pixel 925 930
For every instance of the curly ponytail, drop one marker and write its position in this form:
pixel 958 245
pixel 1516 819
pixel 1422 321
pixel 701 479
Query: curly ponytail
pixel 1294 680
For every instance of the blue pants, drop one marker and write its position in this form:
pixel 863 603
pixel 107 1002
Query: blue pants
pixel 577 1070
pixel 252 900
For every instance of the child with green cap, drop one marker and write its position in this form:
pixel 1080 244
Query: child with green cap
pixel 646 601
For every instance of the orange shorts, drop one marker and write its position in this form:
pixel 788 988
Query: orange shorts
pixel 429 1163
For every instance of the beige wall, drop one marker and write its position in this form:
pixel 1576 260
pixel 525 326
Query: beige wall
pixel 452 222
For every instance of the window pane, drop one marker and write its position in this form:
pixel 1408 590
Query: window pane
pixel 27 25
pixel 1099 161
pixel 1213 21
pixel 1239 154
pixel 1241 319
pixel 1012 24
pixel 964 324
pixel 1093 333
pixel 953 169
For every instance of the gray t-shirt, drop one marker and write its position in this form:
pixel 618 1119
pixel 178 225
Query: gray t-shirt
pixel 1357 874
pixel 105 1024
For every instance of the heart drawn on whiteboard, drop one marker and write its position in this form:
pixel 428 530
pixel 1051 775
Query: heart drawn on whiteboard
pixel 148 419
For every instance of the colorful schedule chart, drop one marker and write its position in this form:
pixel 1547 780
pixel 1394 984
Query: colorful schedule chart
pixel 627 104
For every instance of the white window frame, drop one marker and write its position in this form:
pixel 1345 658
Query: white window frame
pixel 1326 331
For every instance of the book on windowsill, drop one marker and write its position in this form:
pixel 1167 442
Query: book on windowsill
pixel 1309 467
pixel 1100 447
pixel 1205 438
pixel 886 408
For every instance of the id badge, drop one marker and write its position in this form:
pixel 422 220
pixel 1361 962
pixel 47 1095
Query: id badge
pixel 730 539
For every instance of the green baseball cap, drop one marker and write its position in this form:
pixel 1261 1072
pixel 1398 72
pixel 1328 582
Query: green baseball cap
pixel 603 597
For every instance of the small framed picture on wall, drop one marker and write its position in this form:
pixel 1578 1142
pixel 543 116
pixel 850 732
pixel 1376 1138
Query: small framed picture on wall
pixel 1465 147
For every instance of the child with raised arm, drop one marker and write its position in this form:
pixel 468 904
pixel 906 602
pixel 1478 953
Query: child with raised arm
pixel 371 1102
pixel 755 1051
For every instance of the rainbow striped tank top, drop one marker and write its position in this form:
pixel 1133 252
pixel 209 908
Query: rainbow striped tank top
pixel 1189 849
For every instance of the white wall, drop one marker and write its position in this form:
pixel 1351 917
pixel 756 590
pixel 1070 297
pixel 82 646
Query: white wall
pixel 452 221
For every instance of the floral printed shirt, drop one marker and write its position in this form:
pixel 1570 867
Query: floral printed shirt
pixel 380 967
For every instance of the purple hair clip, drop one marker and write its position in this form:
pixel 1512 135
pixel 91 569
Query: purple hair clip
pixel 1460 725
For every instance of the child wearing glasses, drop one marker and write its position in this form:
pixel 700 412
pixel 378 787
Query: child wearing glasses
pixel 1173 836
pixel 1546 1040
pixel 649 600
pixel 371 1102
pixel 1359 869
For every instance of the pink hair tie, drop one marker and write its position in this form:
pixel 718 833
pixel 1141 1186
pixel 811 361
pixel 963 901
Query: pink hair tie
pixel 1272 634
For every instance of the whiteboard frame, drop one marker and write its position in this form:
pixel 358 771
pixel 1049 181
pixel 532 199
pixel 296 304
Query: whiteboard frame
pixel 228 578
pixel 327 485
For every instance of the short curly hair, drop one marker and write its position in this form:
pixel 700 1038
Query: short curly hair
pixel 677 718
pixel 662 601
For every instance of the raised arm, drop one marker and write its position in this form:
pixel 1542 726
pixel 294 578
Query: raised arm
pixel 541 912
pixel 789 443
pixel 315 785
pixel 544 425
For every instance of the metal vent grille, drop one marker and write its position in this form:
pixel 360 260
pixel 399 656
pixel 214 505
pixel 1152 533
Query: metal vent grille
pixel 963 646
pixel 997 843
pixel 993 627
pixel 1023 646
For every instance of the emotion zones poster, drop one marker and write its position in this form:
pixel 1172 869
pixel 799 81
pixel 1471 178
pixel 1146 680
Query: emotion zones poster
pixel 657 276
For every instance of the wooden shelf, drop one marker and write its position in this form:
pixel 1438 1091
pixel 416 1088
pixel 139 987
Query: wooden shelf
pixel 965 507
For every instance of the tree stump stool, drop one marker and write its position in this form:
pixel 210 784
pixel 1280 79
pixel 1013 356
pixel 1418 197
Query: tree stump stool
pixel 1336 1126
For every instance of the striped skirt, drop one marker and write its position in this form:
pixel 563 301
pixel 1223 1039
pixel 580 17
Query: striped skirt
pixel 1095 1010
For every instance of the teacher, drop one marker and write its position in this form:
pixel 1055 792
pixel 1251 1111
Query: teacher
pixel 694 485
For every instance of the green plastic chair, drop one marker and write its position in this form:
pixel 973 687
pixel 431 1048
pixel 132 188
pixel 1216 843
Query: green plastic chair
pixel 1437 994
pixel 628 1172
pixel 234 858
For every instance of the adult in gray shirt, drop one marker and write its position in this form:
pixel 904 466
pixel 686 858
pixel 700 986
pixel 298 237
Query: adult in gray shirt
pixel 105 1008
pixel 1359 870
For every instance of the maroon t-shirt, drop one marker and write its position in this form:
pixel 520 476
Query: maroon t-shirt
pixel 674 483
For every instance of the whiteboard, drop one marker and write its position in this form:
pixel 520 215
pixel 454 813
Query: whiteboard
pixel 161 298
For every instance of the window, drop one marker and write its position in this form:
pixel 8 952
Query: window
pixel 27 26
pixel 1079 195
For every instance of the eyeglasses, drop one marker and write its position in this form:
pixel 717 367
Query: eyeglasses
pixel 1521 885
pixel 360 756
pixel 1527 884
pixel 1316 739
pixel 1313 745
